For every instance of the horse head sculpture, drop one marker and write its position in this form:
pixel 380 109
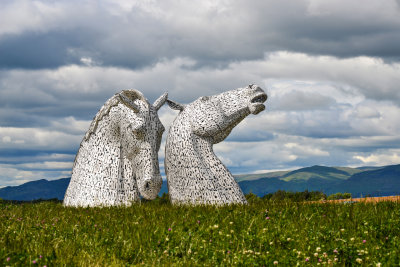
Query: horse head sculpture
pixel 195 175
pixel 118 158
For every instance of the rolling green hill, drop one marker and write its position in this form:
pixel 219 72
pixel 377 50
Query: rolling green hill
pixel 319 172
pixel 374 181
pixel 384 181
pixel 248 177
pixel 40 189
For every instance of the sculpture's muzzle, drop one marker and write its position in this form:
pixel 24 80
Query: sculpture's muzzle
pixel 257 99
pixel 149 187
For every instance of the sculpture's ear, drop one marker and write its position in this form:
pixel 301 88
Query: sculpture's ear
pixel 128 100
pixel 175 105
pixel 160 101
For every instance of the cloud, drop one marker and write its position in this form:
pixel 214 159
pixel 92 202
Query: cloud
pixel 37 139
pixel 380 158
pixel 32 93
pixel 371 77
pixel 11 176
pixel 70 125
pixel 41 34
pixel 307 150
pixel 37 156
pixel 53 165
pixel 300 100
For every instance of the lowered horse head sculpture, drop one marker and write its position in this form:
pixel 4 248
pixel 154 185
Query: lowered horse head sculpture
pixel 195 175
pixel 118 158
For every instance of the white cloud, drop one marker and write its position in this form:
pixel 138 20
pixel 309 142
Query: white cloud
pixel 6 139
pixel 337 102
pixel 11 176
pixel 366 112
pixel 380 158
pixel 37 157
pixel 300 100
pixel 52 165
pixel 69 125
pixel 368 76
pixel 335 79
pixel 36 138
pixel 88 61
pixel 254 155
pixel 139 34
pixel 300 149
pixel 22 15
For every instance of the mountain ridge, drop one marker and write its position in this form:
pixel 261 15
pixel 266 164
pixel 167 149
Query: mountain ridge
pixel 374 181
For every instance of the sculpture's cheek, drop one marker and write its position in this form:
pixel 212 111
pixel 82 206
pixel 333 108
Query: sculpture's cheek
pixel 206 119
pixel 207 129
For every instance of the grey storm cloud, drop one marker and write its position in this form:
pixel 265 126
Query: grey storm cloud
pixel 139 35
pixel 32 51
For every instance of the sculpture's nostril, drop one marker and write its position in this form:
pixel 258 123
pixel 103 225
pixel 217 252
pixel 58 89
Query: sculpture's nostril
pixel 147 185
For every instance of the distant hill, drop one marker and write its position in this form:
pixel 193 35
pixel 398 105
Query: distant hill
pixel 43 189
pixel 374 181
pixel 305 173
pixel 377 182
pixel 248 177
pixel 320 172
pixel 40 189
pixel 315 178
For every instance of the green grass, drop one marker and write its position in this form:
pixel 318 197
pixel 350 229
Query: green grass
pixel 154 233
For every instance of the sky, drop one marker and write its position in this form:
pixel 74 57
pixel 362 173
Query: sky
pixel 331 70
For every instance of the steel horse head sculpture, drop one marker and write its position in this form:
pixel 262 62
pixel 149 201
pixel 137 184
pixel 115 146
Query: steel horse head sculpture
pixel 195 175
pixel 118 158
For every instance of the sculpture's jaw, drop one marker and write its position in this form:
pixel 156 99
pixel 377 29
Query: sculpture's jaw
pixel 256 103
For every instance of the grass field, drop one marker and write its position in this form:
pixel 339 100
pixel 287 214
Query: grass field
pixel 156 233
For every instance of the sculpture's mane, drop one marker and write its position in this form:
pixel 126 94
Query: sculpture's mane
pixel 126 97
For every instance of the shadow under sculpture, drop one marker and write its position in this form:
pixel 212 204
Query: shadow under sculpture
pixel 194 173
pixel 118 157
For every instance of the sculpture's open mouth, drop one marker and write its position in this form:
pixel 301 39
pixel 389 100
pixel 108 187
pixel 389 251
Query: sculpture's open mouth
pixel 259 98
pixel 256 103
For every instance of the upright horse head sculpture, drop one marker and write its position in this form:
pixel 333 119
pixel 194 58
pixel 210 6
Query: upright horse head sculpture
pixel 195 175
pixel 118 157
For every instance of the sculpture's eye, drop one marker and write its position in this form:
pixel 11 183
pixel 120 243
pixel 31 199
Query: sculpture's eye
pixel 137 133
pixel 137 129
